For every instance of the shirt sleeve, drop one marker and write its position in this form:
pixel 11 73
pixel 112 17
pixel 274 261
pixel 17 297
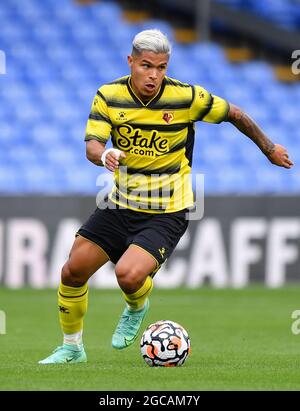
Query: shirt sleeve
pixel 99 124
pixel 208 107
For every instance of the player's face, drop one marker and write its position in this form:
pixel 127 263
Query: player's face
pixel 147 73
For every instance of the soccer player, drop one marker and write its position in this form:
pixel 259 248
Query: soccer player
pixel 150 118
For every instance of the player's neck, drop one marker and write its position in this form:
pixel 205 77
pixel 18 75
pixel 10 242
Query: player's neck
pixel 143 99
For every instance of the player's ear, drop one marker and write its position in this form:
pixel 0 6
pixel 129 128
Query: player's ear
pixel 129 60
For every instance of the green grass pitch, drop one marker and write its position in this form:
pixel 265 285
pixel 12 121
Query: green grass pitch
pixel 240 339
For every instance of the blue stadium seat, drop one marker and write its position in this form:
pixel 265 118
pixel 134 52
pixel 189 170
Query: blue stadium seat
pixel 11 180
pixel 82 180
pixel 284 13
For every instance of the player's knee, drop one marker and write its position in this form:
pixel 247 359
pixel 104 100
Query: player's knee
pixel 130 278
pixel 70 276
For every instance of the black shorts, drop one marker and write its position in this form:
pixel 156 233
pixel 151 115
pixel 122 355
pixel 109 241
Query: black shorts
pixel 115 229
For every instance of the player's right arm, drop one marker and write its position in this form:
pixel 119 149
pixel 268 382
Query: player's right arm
pixel 95 150
pixel 98 131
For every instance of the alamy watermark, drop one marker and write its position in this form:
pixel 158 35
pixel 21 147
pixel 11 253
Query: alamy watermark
pixel 2 322
pixel 296 324
pixel 2 62
pixel 296 63
pixel 155 192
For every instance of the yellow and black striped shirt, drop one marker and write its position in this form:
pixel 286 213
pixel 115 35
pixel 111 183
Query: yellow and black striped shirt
pixel 157 138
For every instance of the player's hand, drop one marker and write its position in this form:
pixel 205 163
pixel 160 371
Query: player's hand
pixel 280 157
pixel 113 158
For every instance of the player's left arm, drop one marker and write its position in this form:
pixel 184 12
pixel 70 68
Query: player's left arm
pixel 276 153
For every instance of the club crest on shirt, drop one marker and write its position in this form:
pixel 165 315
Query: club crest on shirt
pixel 168 116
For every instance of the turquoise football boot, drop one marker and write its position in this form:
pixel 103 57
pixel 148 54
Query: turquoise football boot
pixel 66 354
pixel 129 324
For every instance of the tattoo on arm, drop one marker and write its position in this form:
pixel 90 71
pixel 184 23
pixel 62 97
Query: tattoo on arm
pixel 247 126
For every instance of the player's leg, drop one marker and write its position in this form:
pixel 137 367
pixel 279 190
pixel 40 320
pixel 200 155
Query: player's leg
pixel 85 258
pixel 133 272
pixel 149 249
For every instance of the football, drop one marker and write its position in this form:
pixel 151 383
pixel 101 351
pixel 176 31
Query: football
pixel 165 344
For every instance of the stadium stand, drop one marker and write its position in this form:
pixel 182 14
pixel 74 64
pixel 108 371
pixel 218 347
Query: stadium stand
pixel 285 13
pixel 58 55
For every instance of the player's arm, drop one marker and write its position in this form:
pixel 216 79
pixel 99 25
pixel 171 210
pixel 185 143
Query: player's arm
pixel 95 151
pixel 276 153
